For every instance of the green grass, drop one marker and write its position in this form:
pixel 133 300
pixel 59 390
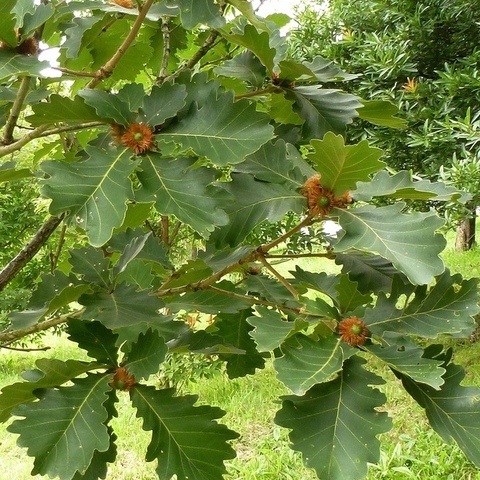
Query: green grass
pixel 411 450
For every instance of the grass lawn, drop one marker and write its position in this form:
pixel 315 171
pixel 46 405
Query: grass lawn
pixel 411 450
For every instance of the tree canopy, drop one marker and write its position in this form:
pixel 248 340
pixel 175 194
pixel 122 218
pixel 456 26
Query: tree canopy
pixel 181 151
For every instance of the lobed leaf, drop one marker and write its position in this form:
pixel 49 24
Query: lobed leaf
pixel 335 424
pixel 401 185
pixel 65 428
pixel 179 432
pixel 97 340
pixel 121 307
pixel 49 373
pixel 94 191
pixel 445 308
pixel 146 355
pixel 408 241
pixel 403 355
pixel 220 129
pixel 307 361
pixel 182 190
pixel 64 110
pixel 256 202
pixel 453 411
pixel 323 110
pixel 12 63
pixel 341 166
pixel 234 329
pixel 271 330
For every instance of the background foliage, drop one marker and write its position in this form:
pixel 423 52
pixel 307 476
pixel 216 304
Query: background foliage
pixel 422 56
pixel 182 152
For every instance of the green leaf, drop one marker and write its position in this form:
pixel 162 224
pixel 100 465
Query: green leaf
pixel 98 466
pixel 128 242
pixel 146 355
pixel 165 325
pixel 35 19
pixel 322 110
pixel 453 411
pixel 7 23
pixel 246 67
pixel 64 429
pixel 178 188
pixel 163 102
pixel 190 272
pixel 271 330
pixel 409 241
pixel 97 340
pixel 93 191
pixel 269 289
pixel 75 34
pixel 257 42
pixel 193 12
pixel 179 433
pixel 306 362
pixel 381 112
pixel 256 202
pixel 445 308
pixel 91 265
pixel 62 109
pixel 403 355
pixel 341 166
pixel 273 163
pixel 281 110
pixel 130 252
pixel 122 307
pixel 401 185
pixel 108 106
pixel 371 272
pixel 335 425
pixel 326 71
pixel 53 292
pixel 343 291
pixel 220 129
pixel 209 301
pixel 9 172
pixel 12 63
pixel 235 329
pixel 51 373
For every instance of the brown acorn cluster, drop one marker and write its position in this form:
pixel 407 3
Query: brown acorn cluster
pixel 137 136
pixel 354 331
pixel 321 200
pixel 28 47
pixel 124 3
pixel 122 380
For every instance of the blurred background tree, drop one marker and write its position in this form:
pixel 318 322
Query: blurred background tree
pixel 423 56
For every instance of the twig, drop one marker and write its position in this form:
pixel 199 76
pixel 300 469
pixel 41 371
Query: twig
pixel 253 255
pixel 256 301
pixel 10 336
pixel 15 111
pixel 75 73
pixel 280 277
pixel 106 70
pixel 176 229
pixel 301 255
pixel 13 147
pixel 71 128
pixel 165 225
pixel 29 251
pixel 43 349
pixel 54 257
pixel 256 93
pixel 166 50
pixel 200 53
